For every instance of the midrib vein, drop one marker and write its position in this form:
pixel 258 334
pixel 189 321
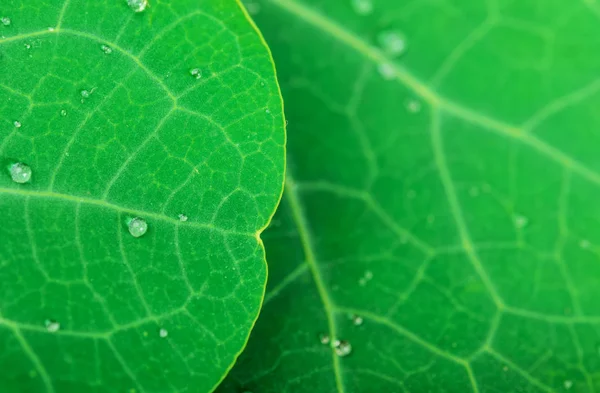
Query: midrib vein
pixel 403 76
pixel 291 195
pixel 102 203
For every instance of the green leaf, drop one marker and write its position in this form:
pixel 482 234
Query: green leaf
pixel 172 116
pixel 446 195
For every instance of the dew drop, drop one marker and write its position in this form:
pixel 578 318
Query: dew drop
pixel 137 5
pixel 27 46
pixel 568 384
pixel 362 7
pixel 51 326
pixel 253 8
pixel 63 112
pixel 85 93
pixel 413 106
pixel 196 73
pixel 5 20
pixel 106 49
pixel 50 29
pixel 17 124
pixel 137 227
pixel 163 333
pixel 182 217
pixel 392 42
pixel 521 221
pixel 267 111
pixel 20 173
pixel 324 339
pixel 342 348
pixel 357 320
pixel 386 70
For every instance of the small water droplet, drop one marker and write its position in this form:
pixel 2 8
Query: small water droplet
pixel 27 46
pixel 106 49
pixel 20 173
pixel 85 93
pixel 182 217
pixel 17 124
pixel 584 243
pixel 51 326
pixel 521 221
pixel 253 8
pixel 386 70
pixel 5 20
pixel 357 320
pixel 362 7
pixel 163 333
pixel 413 106
pixel 137 227
pixel 50 28
pixel 568 384
pixel 63 112
pixel 342 348
pixel 392 42
pixel 505 368
pixel 287 122
pixel 196 73
pixel 137 5
pixel 267 111
pixel 324 339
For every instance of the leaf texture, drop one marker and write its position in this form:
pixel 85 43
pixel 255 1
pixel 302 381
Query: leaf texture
pixel 171 115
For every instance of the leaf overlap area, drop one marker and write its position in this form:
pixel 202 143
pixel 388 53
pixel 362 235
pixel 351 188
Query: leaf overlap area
pixel 115 125
pixel 448 196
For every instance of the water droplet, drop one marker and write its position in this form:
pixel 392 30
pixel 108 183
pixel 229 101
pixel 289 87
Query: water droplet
pixel 106 49
pixel 5 20
pixel 521 221
pixel 20 173
pixel 196 73
pixel 137 227
pixel 267 111
pixel 392 42
pixel 386 70
pixel 27 46
pixel 505 368
pixel 17 124
pixel 368 275
pixel 357 320
pixel 163 333
pixel 584 243
pixel 51 326
pixel 568 384
pixel 145 333
pixel 50 28
pixel 253 8
pixel 413 106
pixel 324 338
pixel 63 112
pixel 137 5
pixel 342 348
pixel 183 217
pixel 362 7
pixel 85 93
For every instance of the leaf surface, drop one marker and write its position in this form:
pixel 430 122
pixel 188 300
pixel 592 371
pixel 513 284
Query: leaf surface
pixel 446 196
pixel 171 115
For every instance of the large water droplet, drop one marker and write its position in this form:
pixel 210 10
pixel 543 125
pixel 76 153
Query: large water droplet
pixel 51 326
pixel 5 20
pixel 196 73
pixel 362 7
pixel 386 70
pixel 106 49
pixel 324 339
pixel 20 173
pixel 137 227
pixel 137 5
pixel 342 348
pixel 163 333
pixel 392 42
pixel 17 124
